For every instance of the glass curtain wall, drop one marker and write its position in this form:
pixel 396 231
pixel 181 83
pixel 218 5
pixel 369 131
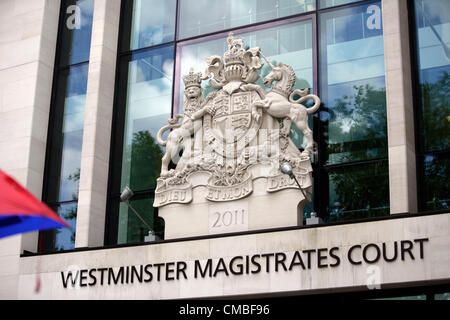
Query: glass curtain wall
pixel 159 39
pixel 143 105
pixel 199 17
pixel 67 121
pixel 432 20
pixel 353 141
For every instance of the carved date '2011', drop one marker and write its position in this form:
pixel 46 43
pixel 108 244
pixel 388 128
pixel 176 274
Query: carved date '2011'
pixel 229 218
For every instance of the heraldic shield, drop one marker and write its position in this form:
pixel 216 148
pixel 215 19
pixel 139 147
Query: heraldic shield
pixel 231 123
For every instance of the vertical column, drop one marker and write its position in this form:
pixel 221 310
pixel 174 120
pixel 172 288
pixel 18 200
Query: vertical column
pixel 400 115
pixel 28 32
pixel 97 125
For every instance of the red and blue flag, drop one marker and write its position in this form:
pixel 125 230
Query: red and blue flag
pixel 21 212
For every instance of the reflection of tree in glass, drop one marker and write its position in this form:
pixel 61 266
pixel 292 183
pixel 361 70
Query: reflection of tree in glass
pixel 358 126
pixel 68 212
pixel 437 186
pixel 358 121
pixel 359 192
pixel 436 137
pixel 146 158
pixel 436 113
pixel 75 177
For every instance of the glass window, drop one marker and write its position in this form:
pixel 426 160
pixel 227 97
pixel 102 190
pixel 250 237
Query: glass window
pixel 289 43
pixel 407 298
pixel 353 89
pixel 144 105
pixel 63 238
pixel 146 79
pixel 130 227
pixel 442 296
pixel 351 131
pixel 433 39
pixel 436 183
pixel 76 31
pixel 433 53
pixel 63 171
pixel 358 191
pixel 199 17
pixel 67 134
pixel 148 23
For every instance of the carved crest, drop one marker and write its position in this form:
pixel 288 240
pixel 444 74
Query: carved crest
pixel 238 133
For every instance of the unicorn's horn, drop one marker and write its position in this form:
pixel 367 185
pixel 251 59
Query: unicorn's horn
pixel 264 57
pixel 267 60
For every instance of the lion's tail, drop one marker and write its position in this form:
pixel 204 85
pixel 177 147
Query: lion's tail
pixel 173 124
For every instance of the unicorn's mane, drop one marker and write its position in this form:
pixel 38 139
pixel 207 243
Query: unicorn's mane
pixel 291 75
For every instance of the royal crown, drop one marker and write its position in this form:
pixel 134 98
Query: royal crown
pixel 235 52
pixel 192 79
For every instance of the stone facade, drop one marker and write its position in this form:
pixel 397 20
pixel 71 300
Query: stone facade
pixel 290 262
pixel 28 31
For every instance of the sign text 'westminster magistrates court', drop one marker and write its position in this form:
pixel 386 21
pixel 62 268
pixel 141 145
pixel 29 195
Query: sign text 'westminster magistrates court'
pixel 303 259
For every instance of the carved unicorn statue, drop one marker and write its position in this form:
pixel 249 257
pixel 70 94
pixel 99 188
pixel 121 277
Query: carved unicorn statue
pixel 280 102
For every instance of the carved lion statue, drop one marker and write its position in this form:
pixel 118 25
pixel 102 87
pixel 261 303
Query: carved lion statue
pixel 180 138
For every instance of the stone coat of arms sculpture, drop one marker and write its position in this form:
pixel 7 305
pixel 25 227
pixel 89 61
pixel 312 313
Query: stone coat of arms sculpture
pixel 232 143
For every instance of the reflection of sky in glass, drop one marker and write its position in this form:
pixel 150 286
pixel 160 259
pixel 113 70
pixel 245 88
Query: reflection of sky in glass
pixel 433 20
pixel 153 22
pixel 353 56
pixel 332 3
pixel 76 43
pixel 204 16
pixel 64 237
pixel 149 98
pixel 72 131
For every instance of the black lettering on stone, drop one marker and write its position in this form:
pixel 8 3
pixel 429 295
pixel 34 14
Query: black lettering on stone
pixel 256 263
pixel 335 257
pixel 93 277
pixel 221 267
pixel 385 255
pixel 148 273
pixel 115 279
pixel 83 277
pixel 280 258
pixel 198 269
pixel 406 247
pixel 321 257
pixel 349 254
pixel 296 261
pixel 69 277
pixel 377 257
pixel 181 269
pixel 421 241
